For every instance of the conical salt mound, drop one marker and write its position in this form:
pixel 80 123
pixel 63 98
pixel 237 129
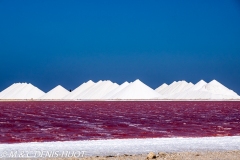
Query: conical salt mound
pixel 190 93
pixel 56 93
pixel 113 92
pixel 98 90
pixel 22 91
pixel 8 90
pixel 79 90
pixel 87 90
pixel 136 90
pixel 206 91
pixel 198 85
pixel 175 87
pixel 217 88
pixel 164 85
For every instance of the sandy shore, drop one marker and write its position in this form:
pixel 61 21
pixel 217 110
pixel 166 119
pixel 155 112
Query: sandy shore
pixel 211 155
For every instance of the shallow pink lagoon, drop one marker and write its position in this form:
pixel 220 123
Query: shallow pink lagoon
pixel 64 121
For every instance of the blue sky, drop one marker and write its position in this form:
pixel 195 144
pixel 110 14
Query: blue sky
pixel 47 43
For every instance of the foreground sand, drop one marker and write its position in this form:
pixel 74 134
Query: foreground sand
pixel 209 155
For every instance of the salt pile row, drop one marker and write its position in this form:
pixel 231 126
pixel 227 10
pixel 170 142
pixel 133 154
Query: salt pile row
pixel 137 90
pixel 201 90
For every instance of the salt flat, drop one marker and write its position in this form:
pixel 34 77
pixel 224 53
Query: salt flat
pixel 130 146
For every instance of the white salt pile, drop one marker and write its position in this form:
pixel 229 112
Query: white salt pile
pixel 107 90
pixel 136 90
pixel 8 90
pixel 56 93
pixel 116 90
pixel 175 87
pixel 79 90
pixel 164 85
pixel 191 93
pixel 200 91
pixel 87 90
pixel 98 90
pixel 217 88
pixel 21 91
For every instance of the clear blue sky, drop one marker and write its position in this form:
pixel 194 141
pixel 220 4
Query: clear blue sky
pixel 46 42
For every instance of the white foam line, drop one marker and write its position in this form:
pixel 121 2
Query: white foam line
pixel 131 146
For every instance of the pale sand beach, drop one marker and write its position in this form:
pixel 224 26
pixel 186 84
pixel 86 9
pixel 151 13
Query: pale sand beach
pixel 207 155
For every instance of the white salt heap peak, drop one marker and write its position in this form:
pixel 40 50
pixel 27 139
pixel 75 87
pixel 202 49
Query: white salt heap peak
pixel 116 90
pixel 97 91
pixel 56 93
pixel 218 91
pixel 175 87
pixel 79 90
pixel 217 88
pixel 164 85
pixel 136 90
pixel 191 93
pixel 198 85
pixel 21 91
pixel 206 91
pixel 87 90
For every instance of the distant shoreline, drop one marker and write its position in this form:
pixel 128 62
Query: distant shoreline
pixel 207 155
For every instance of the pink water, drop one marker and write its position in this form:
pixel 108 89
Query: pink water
pixel 64 121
